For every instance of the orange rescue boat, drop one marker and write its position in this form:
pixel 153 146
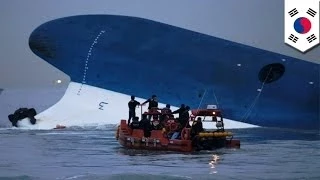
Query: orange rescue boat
pixel 159 139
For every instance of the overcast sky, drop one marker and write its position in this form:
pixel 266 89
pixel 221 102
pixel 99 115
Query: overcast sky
pixel 257 23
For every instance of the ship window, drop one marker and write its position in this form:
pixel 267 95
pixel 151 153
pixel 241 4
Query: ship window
pixel 271 72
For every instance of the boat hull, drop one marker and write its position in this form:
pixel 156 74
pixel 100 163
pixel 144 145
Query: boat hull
pixel 134 139
pixel 143 57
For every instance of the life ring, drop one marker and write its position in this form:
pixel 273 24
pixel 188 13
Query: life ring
pixel 117 132
pixel 185 134
pixel 172 126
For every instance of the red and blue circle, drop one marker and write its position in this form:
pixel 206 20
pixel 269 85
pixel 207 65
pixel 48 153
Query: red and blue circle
pixel 302 25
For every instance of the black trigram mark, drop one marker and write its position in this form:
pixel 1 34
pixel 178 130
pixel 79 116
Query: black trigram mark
pixel 293 12
pixel 311 38
pixel 293 38
pixel 311 12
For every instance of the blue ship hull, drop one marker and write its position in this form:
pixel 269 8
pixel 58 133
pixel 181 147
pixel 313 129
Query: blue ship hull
pixel 141 57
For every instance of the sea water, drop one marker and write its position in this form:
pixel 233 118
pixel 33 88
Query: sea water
pixel 93 153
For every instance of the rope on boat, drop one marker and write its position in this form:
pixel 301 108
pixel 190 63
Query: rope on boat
pixel 215 97
pixel 214 94
pixel 205 91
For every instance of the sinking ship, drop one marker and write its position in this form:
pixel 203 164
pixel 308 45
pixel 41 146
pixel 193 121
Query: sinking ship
pixel 229 53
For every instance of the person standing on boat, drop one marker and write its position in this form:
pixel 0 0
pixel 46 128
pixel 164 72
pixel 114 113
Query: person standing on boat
pixel 153 104
pixel 146 125
pixel 165 112
pixel 132 104
pixel 180 110
pixel 197 127
pixel 184 117
pixel 183 122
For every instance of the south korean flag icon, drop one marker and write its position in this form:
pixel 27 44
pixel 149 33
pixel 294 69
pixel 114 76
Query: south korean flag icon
pixel 301 24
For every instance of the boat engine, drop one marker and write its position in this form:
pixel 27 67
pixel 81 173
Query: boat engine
pixel 22 113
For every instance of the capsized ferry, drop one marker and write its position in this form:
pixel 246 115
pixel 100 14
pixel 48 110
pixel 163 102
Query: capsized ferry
pixel 180 50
